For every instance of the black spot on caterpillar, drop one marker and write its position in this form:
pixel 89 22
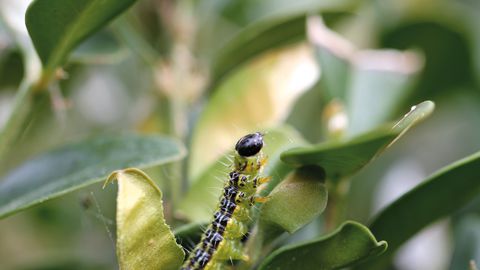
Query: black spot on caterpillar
pixel 223 239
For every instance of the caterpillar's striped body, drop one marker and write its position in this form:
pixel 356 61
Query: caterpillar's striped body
pixel 221 241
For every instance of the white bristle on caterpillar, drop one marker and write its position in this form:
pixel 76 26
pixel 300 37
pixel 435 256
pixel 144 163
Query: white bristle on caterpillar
pixel 221 241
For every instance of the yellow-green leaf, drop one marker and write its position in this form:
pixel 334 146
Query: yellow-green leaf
pixel 297 200
pixel 257 95
pixel 144 240
pixel 292 204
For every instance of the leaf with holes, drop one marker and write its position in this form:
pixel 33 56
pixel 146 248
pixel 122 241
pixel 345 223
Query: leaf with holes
pixel 142 234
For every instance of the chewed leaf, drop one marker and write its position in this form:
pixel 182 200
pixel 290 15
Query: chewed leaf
pixel 144 240
pixel 342 158
pixel 352 243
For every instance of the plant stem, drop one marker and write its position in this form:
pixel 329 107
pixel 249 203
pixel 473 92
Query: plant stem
pixel 258 246
pixel 27 96
pixel 336 209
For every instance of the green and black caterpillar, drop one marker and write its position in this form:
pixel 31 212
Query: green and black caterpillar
pixel 222 240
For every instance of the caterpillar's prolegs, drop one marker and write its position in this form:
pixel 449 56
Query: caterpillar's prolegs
pixel 222 241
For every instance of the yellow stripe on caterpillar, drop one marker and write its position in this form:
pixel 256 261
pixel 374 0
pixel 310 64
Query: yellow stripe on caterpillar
pixel 222 241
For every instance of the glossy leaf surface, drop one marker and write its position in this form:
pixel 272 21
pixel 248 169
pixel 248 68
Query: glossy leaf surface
pixel 256 39
pixel 81 164
pixel 440 195
pixel 57 26
pixel 347 246
pixel 342 158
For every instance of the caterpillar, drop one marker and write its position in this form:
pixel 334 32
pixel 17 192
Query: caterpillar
pixel 222 240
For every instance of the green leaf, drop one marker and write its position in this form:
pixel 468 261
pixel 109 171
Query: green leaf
pixel 292 204
pixel 202 196
pixel 257 38
pixel 450 49
pixel 334 54
pixel 25 102
pixel 343 158
pixel 440 195
pixel 101 48
pixel 243 13
pixel 266 27
pixel 57 26
pixel 22 109
pixel 347 246
pixel 144 240
pixel 81 164
pixel 416 114
pixel 379 75
pixel 360 78
pixel 258 95
pixel 296 201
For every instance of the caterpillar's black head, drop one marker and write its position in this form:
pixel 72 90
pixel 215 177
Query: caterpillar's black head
pixel 250 144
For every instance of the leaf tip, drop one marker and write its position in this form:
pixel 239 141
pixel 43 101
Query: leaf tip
pixel 416 114
pixel 382 247
pixel 112 177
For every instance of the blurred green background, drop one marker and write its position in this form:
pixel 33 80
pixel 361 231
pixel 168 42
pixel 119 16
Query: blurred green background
pixel 158 66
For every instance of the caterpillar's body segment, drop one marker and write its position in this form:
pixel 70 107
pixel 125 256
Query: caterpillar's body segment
pixel 221 241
